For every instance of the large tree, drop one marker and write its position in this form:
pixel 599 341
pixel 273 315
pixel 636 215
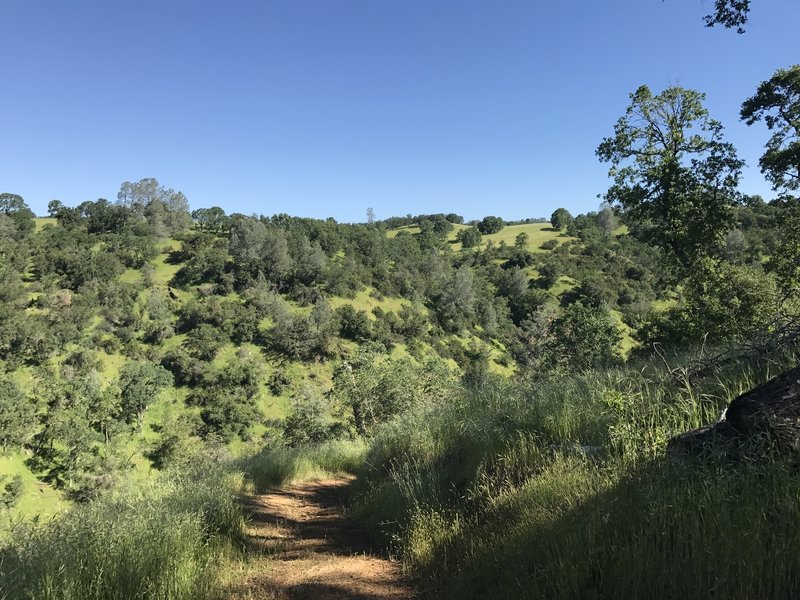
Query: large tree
pixel 489 225
pixel 164 208
pixel 15 208
pixel 777 102
pixel 560 218
pixel 140 383
pixel 673 173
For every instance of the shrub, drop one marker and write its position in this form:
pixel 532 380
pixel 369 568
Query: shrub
pixel 549 244
pixel 307 421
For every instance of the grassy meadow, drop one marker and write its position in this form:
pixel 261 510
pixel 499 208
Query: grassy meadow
pixel 538 233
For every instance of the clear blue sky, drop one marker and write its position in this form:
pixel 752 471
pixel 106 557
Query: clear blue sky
pixel 326 107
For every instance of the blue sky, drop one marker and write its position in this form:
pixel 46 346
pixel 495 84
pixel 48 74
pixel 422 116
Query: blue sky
pixel 326 107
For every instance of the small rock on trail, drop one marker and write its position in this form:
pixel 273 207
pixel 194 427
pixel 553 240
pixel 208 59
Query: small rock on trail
pixel 312 551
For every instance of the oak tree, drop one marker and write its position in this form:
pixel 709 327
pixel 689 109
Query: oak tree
pixel 673 173
pixel 777 103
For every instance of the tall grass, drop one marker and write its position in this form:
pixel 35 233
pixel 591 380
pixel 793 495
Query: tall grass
pixel 160 539
pixel 278 465
pixel 563 489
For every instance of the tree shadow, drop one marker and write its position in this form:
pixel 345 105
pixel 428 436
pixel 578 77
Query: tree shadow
pixel 306 523
pixel 174 257
pixel 328 530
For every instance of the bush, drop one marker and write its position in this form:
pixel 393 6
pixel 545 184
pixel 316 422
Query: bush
pixel 549 244
pixel 722 303
pixel 353 325
pixel 560 219
pixel 278 382
pixel 307 421
pixel 469 237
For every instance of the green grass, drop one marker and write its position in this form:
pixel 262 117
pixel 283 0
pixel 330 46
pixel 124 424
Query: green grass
pixel 563 284
pixel 111 365
pixel 162 539
pixel 364 300
pixel 410 229
pixel 663 305
pixel 25 378
pixel 538 233
pixel 38 499
pixel 628 343
pixel 278 465
pixel 163 271
pixel 131 276
pixel 561 489
pixel 41 222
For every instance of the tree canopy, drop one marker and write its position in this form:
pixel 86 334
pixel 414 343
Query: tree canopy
pixel 673 172
pixel 560 218
pixel 729 14
pixel 777 103
pixel 489 225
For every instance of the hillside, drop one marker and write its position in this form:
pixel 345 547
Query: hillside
pixel 440 367
pixel 154 285
pixel 329 290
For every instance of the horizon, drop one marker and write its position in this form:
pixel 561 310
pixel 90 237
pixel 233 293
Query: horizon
pixel 323 111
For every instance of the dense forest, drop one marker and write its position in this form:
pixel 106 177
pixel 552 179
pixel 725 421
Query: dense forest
pixel 481 376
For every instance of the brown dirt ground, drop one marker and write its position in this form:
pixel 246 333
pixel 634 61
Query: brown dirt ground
pixel 305 548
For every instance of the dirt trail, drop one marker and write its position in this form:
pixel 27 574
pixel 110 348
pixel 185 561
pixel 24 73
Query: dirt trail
pixel 310 550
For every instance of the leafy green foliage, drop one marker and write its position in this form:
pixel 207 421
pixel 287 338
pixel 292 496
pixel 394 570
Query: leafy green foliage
pixel 213 218
pixel 17 415
pixel 560 219
pixel 11 489
pixel 583 337
pixel 353 325
pixel 370 388
pixel 140 383
pixel 722 303
pixel 777 102
pixel 14 207
pixel 469 237
pixel 164 209
pixel 729 14
pixel 227 399
pixel 300 337
pixel 785 260
pixel 673 173
pixel 307 421
pixel 489 225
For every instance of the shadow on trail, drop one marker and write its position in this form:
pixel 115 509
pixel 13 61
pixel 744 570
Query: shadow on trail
pixel 310 549
pixel 311 513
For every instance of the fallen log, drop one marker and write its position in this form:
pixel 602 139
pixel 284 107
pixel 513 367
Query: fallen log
pixel 770 411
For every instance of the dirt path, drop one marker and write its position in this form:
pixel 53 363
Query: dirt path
pixel 310 550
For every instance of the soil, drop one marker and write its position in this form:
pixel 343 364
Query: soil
pixel 305 547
